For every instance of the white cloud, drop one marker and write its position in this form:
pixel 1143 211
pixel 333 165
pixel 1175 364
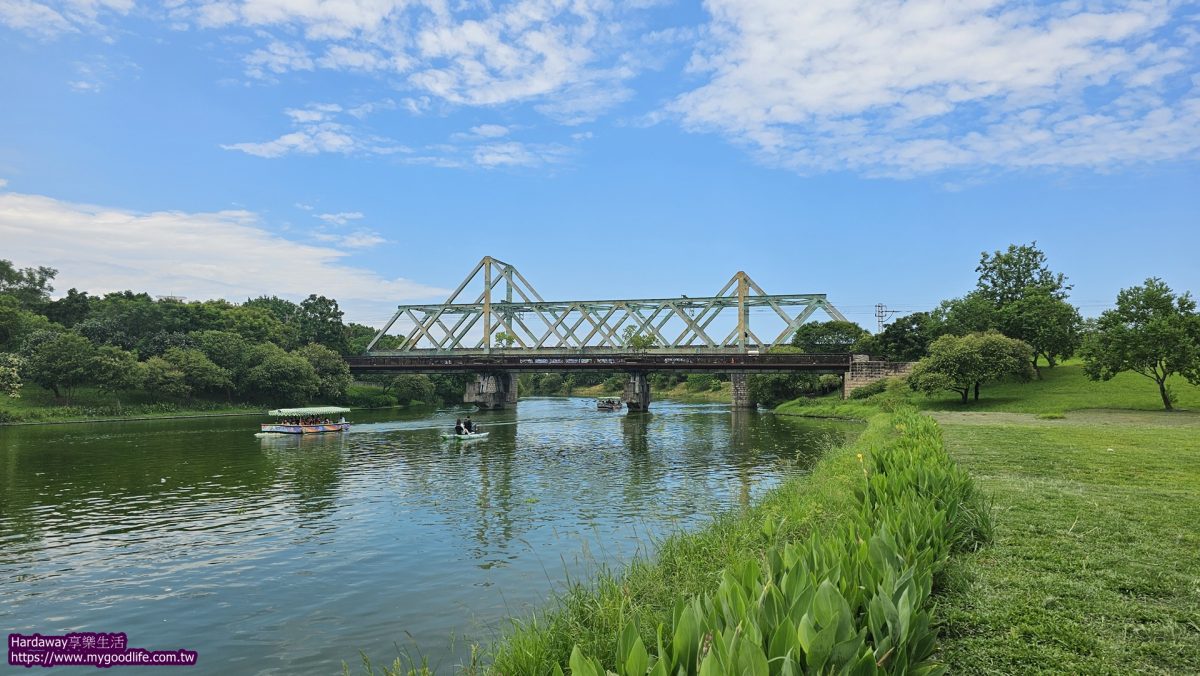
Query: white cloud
pixel 3 182
pixel 359 239
pixel 490 130
pixel 50 18
pixel 514 154
pixel 318 130
pixel 563 54
pixel 340 218
pixel 902 88
pixel 225 254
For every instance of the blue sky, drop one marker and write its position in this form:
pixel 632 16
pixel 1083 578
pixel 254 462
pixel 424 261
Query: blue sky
pixel 374 150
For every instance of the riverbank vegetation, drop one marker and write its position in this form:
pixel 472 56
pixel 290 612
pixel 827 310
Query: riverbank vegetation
pixel 851 553
pixel 128 354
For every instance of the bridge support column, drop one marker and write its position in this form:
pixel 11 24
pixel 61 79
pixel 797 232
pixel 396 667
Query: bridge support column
pixel 637 392
pixel 741 392
pixel 492 391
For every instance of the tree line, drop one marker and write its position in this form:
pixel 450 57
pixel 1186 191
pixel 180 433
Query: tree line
pixel 1017 320
pixel 266 349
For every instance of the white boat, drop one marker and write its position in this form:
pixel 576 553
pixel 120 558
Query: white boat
pixel 293 420
pixel 609 404
pixel 476 436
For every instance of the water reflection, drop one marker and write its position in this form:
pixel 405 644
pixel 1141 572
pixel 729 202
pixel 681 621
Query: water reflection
pixel 290 554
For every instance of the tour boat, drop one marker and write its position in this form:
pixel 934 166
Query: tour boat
pixel 608 404
pixel 285 427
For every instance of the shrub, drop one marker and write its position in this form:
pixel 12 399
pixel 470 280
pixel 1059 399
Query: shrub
pixel 702 382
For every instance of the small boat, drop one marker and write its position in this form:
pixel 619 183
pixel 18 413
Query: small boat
pixel 609 404
pixel 286 426
pixel 475 436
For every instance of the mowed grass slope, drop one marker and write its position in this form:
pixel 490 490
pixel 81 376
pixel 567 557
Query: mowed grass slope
pixel 1066 388
pixel 1096 564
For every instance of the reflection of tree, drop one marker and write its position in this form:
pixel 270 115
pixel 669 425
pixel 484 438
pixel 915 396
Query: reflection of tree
pixel 312 465
pixel 135 466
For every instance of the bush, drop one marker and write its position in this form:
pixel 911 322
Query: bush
pixel 614 383
pixel 369 396
pixel 702 382
pixel 869 390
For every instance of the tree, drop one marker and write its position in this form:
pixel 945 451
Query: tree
pixel 16 324
pixel 973 313
pixel 30 286
pixel 103 330
pixel 281 377
pixel 164 341
pixel 1049 324
pixel 963 363
pixel 412 387
pixel 200 374
pixel 225 348
pixel 57 361
pixel 255 324
pixel 332 371
pixel 320 321
pixel 70 309
pixel 907 338
pixel 504 339
pixel 114 370
pixel 1005 276
pixel 638 342
pixel 831 336
pixel 10 375
pixel 162 378
pixel 1151 332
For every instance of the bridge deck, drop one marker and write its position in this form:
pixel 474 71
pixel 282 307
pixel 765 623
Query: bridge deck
pixel 610 361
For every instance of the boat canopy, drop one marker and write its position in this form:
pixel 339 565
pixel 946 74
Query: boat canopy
pixel 310 410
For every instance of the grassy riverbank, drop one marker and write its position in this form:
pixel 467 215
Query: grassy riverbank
pixel 1096 562
pixel 87 404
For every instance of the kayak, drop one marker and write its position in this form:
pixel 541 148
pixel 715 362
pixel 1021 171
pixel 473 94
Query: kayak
pixel 478 436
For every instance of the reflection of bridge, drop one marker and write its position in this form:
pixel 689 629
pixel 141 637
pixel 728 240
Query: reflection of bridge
pixel 512 328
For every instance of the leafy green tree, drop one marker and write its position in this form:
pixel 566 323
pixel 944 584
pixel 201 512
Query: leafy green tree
pixel 101 330
pixel 973 313
pixel 358 336
pixel 59 362
pixel 504 339
pixel 225 348
pixel 10 375
pixel 200 374
pixel 449 387
pixel 30 286
pixel 280 377
pixel 284 310
pixel 332 371
pixel 162 342
pixel 828 337
pixel 70 309
pixel 906 338
pixel 16 324
pixel 1152 332
pixel 163 379
pixel 114 370
pixel 320 321
pixel 254 324
pixel 637 342
pixel 1006 276
pixel 963 363
pixel 410 387
pixel 549 383
pixel 1049 324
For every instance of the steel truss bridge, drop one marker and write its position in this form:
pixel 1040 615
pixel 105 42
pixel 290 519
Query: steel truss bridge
pixel 510 317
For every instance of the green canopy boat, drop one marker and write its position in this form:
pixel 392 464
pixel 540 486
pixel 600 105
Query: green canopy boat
pixel 308 420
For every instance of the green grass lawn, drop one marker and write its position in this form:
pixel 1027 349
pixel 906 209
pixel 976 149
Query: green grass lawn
pixel 1066 388
pixel 1096 563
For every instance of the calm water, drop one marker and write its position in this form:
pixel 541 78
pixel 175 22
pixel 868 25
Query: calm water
pixel 290 555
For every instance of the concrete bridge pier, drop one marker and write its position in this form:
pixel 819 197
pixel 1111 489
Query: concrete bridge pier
pixel 637 392
pixel 492 391
pixel 741 392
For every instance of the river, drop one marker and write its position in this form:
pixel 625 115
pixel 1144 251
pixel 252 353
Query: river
pixel 290 555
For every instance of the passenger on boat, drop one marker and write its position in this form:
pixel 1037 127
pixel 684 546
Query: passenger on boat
pixel 469 426
pixel 458 426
